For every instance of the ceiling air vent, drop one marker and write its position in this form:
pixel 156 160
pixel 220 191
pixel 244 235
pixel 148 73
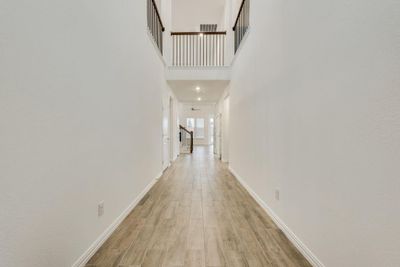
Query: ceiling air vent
pixel 208 27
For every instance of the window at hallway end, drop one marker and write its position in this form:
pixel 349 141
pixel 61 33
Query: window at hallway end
pixel 190 124
pixel 197 125
pixel 199 131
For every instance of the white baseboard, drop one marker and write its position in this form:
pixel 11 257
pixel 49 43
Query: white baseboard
pixel 155 180
pixel 166 167
pixel 304 250
pixel 107 233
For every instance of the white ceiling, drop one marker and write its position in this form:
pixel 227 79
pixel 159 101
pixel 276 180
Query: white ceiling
pixel 187 15
pixel 210 91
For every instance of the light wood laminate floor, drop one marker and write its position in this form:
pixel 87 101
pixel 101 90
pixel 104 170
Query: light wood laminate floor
pixel 197 214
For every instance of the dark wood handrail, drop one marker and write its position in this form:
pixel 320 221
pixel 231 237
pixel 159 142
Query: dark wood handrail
pixel 158 15
pixel 198 33
pixel 191 137
pixel 186 130
pixel 238 16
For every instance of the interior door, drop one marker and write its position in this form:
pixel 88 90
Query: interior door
pixel 218 135
pixel 225 132
pixel 172 123
pixel 165 135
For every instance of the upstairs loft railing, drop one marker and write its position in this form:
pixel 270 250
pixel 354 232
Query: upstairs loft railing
pixel 186 140
pixel 155 24
pixel 198 49
pixel 242 23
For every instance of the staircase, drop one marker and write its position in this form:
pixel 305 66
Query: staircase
pixel 185 140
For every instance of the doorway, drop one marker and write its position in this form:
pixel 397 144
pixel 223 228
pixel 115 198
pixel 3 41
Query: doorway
pixel 218 136
pixel 225 131
pixel 172 127
pixel 166 134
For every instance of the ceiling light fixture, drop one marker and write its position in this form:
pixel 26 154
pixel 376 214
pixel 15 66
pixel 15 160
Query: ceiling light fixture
pixel 198 89
pixel 201 34
pixel 199 99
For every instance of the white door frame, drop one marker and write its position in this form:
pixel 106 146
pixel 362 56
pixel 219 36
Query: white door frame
pixel 218 135
pixel 165 134
pixel 172 136
pixel 225 130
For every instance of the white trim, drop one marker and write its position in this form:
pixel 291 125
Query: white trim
pixel 107 233
pixel 155 180
pixel 307 253
pixel 166 167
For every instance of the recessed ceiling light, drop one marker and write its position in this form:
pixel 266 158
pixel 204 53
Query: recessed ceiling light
pixel 199 99
pixel 198 89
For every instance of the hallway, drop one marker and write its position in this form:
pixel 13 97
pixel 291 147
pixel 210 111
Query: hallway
pixel 197 214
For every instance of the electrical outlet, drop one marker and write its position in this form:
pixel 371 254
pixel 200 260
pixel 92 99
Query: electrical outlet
pixel 100 209
pixel 277 194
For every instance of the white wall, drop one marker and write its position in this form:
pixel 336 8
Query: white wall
pixel 229 19
pixel 170 135
pixel 80 123
pixel 187 15
pixel 236 7
pixel 315 112
pixel 205 111
pixel 225 130
pixel 166 16
pixel 223 110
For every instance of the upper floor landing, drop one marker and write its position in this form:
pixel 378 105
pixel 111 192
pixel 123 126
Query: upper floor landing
pixel 204 51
